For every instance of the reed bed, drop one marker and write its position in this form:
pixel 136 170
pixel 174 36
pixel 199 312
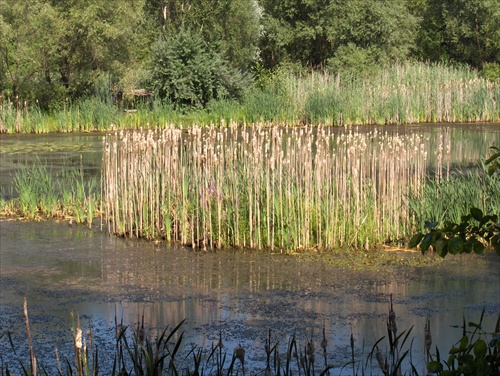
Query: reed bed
pixel 400 94
pixel 261 187
pixel 406 93
pixel 39 192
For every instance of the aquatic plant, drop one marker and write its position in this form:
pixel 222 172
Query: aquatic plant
pixel 470 230
pixel 472 354
pixel 398 94
pixel 141 353
pixel 261 187
pixel 43 193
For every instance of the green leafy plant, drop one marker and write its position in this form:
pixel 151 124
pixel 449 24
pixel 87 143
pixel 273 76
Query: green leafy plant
pixel 470 235
pixel 474 232
pixel 189 72
pixel 472 355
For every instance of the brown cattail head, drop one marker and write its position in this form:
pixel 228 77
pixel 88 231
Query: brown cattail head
pixel 382 363
pixel 239 353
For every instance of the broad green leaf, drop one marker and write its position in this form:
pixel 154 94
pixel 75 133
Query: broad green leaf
pixel 455 246
pixel 477 214
pixel 426 242
pixel 491 169
pixel 434 367
pixel 440 246
pixel 415 240
pixel 480 348
pixel 492 157
pixel 478 247
pixel 430 225
pixel 464 342
pixel 443 252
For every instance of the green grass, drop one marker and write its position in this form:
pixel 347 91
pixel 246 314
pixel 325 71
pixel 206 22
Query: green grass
pixel 401 93
pixel 43 193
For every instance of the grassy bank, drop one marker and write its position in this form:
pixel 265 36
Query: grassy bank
pixel 401 93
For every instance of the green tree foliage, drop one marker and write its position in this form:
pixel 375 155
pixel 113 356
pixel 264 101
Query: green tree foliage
pixel 99 36
pixel 188 72
pixel 463 31
pixel 50 50
pixel 315 31
pixel 233 25
pixel 29 31
pixel 53 50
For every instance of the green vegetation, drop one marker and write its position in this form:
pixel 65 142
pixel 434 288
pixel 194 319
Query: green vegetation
pixel 41 193
pixel 275 188
pixel 464 232
pixel 472 355
pixel 189 74
pixel 261 187
pixel 74 66
pixel 401 93
pixel 268 188
pixel 139 353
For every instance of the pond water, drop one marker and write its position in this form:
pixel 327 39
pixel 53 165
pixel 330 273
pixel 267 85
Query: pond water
pixel 239 293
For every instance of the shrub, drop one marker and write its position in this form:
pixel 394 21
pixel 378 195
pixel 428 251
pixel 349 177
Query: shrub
pixel 190 73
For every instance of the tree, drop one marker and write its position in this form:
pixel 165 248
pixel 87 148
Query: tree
pixel 189 72
pixel 29 31
pixel 50 50
pixel 231 25
pixel 315 31
pixel 99 37
pixel 462 31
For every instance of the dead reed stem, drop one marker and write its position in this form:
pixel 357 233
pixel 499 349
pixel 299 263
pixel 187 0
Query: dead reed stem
pixel 261 186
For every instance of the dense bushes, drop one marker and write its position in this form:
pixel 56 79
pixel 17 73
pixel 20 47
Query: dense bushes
pixel 189 72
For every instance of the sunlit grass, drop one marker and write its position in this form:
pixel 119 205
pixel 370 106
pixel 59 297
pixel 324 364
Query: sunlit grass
pixel 43 193
pixel 397 94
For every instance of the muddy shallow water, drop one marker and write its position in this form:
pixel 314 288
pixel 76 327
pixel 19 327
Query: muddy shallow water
pixel 240 293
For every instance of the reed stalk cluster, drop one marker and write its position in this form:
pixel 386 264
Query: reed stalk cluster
pixel 398 94
pixel 261 187
pixel 404 93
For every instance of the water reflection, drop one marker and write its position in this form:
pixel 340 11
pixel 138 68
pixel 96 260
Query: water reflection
pixel 241 293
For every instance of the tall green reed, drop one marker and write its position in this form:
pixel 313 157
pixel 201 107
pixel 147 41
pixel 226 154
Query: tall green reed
pixel 261 187
pixel 450 199
pixel 43 192
pixel 408 92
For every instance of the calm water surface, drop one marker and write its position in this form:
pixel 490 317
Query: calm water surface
pixel 239 293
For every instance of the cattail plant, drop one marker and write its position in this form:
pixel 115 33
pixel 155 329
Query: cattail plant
pixel 261 187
